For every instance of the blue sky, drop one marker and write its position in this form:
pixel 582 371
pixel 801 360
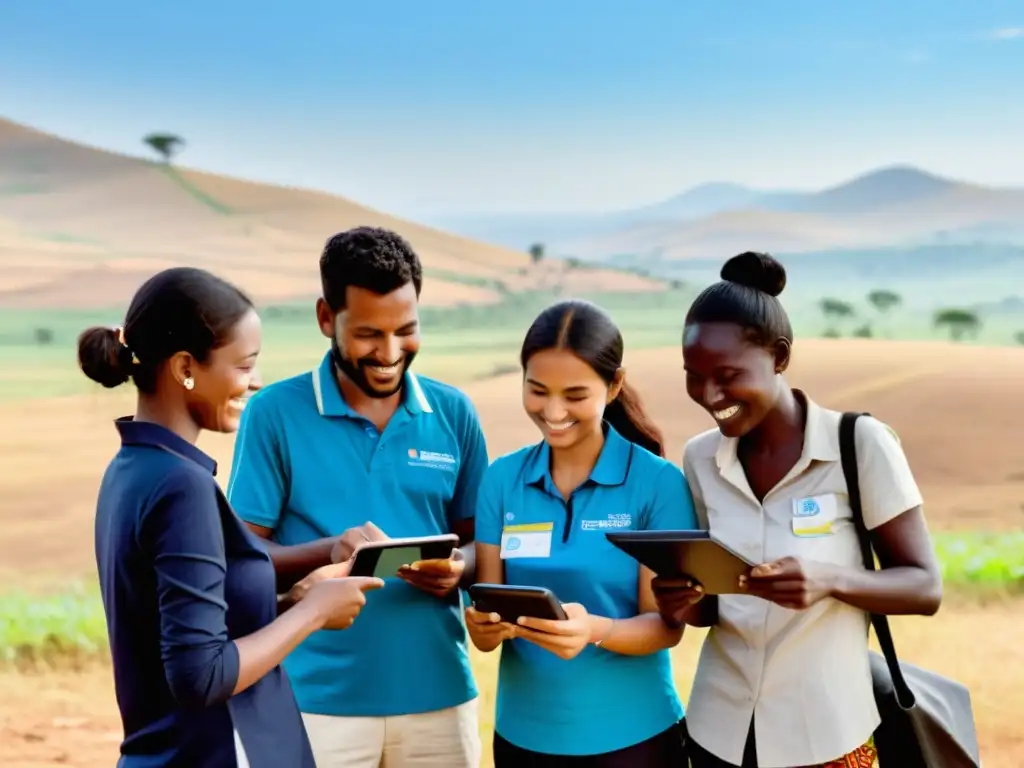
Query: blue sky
pixel 425 108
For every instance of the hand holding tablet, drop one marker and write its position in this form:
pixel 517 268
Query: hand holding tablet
pixel 686 555
pixel 512 602
pixel 388 558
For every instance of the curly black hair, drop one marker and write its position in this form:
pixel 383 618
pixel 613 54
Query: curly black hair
pixel 373 258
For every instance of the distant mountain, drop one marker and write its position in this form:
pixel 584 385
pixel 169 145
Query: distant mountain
pixel 896 205
pixel 702 200
pixel 517 230
pixel 898 185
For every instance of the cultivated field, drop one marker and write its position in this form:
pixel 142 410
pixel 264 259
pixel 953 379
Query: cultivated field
pixel 952 405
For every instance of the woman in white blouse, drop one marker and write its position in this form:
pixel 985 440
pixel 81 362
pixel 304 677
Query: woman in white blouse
pixel 783 679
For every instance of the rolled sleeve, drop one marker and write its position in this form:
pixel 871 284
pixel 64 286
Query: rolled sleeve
pixel 488 506
pixel 672 505
pixel 473 465
pixel 258 486
pixel 183 535
pixel 887 485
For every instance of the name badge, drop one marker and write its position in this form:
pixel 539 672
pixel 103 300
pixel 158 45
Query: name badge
pixel 814 515
pixel 526 540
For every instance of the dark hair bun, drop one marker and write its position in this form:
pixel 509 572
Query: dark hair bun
pixel 755 270
pixel 102 357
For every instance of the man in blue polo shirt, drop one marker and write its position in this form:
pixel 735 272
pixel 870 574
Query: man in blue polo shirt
pixel 319 455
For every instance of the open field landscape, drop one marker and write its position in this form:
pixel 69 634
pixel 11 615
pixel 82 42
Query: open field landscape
pixel 81 228
pixel 947 402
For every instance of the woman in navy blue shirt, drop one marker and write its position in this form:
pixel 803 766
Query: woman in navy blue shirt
pixel 196 629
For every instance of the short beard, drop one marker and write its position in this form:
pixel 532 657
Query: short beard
pixel 356 373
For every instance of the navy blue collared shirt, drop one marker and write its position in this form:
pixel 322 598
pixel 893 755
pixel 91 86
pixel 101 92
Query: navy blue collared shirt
pixel 181 578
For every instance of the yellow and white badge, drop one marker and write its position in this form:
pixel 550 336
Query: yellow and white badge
pixel 526 540
pixel 815 515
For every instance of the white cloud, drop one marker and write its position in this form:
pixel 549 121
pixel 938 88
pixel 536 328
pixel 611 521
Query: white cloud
pixel 1008 33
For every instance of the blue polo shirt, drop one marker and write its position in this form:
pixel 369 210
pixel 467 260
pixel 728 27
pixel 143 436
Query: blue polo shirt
pixel 599 701
pixel 182 578
pixel 308 466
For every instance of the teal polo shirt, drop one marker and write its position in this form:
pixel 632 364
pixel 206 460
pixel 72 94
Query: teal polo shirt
pixel 308 466
pixel 599 701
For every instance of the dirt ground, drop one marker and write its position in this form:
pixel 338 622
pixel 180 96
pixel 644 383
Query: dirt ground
pixel 954 408
pixel 70 719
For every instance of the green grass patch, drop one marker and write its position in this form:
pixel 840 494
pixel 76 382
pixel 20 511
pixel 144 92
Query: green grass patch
pixel 68 627
pixel 209 201
pixel 990 561
pixel 460 344
pixel 41 630
pixel 23 188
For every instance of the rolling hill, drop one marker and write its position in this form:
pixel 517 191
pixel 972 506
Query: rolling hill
pixel 894 206
pixel 82 227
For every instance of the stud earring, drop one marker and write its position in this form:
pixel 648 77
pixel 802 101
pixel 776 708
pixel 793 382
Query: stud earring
pixel 189 383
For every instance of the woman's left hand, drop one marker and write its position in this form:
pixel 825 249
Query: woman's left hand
pixel 791 582
pixel 565 638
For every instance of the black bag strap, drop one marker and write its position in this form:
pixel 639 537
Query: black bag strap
pixel 848 454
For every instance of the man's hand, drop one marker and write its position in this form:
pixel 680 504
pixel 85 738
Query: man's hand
pixel 438 577
pixel 791 582
pixel 353 539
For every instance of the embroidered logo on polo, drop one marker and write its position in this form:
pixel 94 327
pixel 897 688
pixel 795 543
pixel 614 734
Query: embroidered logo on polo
pixel 614 521
pixel 433 460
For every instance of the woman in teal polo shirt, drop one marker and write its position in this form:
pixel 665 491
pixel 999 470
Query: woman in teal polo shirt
pixel 596 689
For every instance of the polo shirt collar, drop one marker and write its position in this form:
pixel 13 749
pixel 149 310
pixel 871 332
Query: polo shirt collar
pixel 611 468
pixel 329 401
pixel 821 443
pixel 154 435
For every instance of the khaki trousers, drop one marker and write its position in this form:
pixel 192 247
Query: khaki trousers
pixel 447 738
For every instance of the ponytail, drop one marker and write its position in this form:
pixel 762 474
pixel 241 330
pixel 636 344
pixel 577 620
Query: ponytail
pixel 626 414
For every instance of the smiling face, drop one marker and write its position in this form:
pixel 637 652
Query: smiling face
pixel 224 382
pixel 374 338
pixel 565 397
pixel 737 382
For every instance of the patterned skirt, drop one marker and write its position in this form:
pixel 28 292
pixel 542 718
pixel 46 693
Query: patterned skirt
pixel 862 757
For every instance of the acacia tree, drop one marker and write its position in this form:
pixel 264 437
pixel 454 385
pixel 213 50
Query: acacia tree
pixel 167 145
pixel 536 253
pixel 836 311
pixel 883 300
pixel 959 323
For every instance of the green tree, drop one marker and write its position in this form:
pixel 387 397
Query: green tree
pixel 537 253
pixel 836 311
pixel 958 323
pixel 167 145
pixel 883 301
pixel 1019 337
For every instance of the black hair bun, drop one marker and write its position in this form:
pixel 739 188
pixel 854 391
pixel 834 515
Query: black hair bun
pixel 103 358
pixel 755 270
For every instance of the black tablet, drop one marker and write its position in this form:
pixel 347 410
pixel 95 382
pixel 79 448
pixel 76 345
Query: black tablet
pixel 511 602
pixel 382 559
pixel 696 554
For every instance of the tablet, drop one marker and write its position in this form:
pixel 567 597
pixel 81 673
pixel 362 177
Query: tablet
pixel 673 554
pixel 382 559
pixel 511 602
